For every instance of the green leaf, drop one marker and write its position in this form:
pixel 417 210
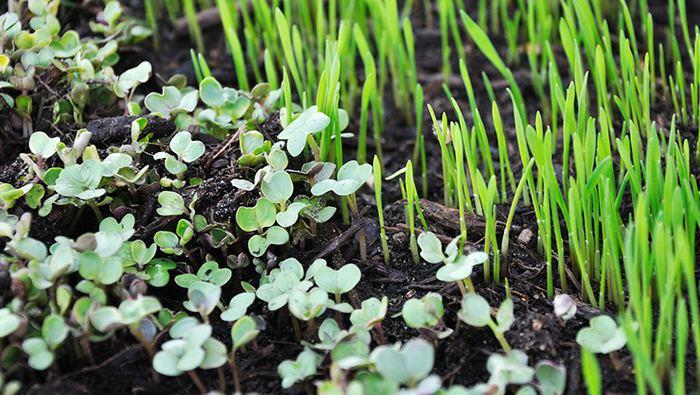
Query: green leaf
pixel 462 267
pixel 211 92
pixel 9 322
pixel 308 122
pixel 510 368
pixel 475 310
pixel 425 312
pixel 602 336
pixel 115 162
pixel 338 281
pixel 40 357
pixel 551 378
pixel 243 332
pixel 351 176
pixel 430 248
pixel 185 148
pixel 81 180
pixel 290 216
pixel 257 218
pixel 238 306
pixel 303 367
pixel 54 330
pixel 42 145
pixel 277 186
pixel 257 245
pixel 140 253
pixel 131 78
pixel 307 305
pixel 158 271
pixel 410 364
pixel 277 235
pixel 171 102
pixel 67 46
pixel 370 313
pixel 171 203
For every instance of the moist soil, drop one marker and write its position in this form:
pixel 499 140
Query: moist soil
pixel 122 365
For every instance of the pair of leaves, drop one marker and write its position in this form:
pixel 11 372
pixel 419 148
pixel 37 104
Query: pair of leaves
pixel 602 336
pixel 407 365
pixel 457 266
pixel 81 180
pixel 476 312
pixel 171 102
pixel 351 176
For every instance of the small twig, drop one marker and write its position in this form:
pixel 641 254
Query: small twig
pixel 341 239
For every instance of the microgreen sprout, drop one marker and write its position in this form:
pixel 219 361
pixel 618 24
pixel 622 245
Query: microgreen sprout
pixel 564 307
pixel 303 367
pixel 301 130
pixel 191 347
pixel 602 336
pixel 458 267
pixel 425 314
pixel 338 282
pixel 476 312
pixel 186 151
pixel 243 331
pixel 407 365
pixel 370 315
pixel 238 306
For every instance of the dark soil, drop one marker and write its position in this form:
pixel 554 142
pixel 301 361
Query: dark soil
pixel 123 366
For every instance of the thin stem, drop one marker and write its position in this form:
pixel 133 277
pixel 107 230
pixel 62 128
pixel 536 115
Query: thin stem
pixel 297 330
pixel 499 336
pixel 234 372
pixel 197 381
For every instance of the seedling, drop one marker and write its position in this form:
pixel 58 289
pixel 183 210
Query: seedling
pixel 203 297
pixel 458 267
pixel 300 369
pixel 551 378
pixel 158 271
pixel 338 282
pixel 307 305
pixel 9 322
pixel 131 313
pixel 564 307
pixel 41 349
pixel 238 306
pixel 510 368
pixel 174 243
pixel 40 356
pixel 425 313
pixel 191 347
pixel 208 272
pixel 301 130
pixel 171 102
pixel 351 176
pixel 407 365
pixel 281 282
pixel 226 107
pixel 171 203
pixel 261 218
pixel 81 181
pixel 43 147
pixel 126 83
pixel 476 312
pixel 602 336
pixel 243 332
pixel 186 151
pixel 370 315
